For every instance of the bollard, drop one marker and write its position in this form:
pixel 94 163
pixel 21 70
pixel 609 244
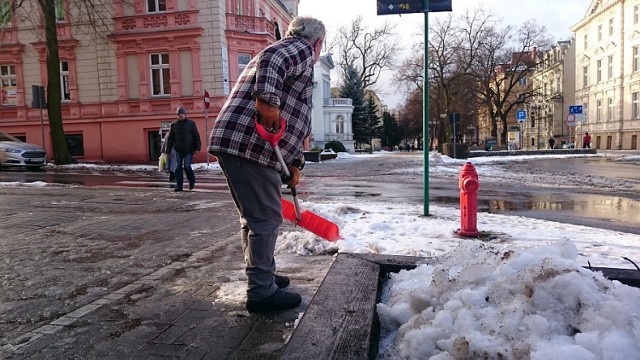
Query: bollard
pixel 469 185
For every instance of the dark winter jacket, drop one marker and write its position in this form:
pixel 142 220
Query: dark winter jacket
pixel 184 137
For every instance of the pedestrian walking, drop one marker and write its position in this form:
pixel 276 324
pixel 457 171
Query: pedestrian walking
pixel 185 140
pixel 276 84
pixel 552 142
pixel 586 141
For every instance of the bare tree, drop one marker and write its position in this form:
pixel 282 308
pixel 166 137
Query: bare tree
pixel 370 51
pixel 451 45
pixel 473 61
pixel 506 57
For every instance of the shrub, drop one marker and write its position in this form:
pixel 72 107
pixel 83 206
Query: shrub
pixel 335 146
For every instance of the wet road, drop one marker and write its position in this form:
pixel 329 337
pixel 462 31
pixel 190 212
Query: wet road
pixel 592 191
pixel 597 166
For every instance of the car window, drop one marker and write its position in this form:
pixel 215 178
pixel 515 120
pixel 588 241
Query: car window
pixel 7 137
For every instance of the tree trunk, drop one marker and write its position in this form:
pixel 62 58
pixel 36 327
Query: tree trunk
pixel 54 92
pixel 503 134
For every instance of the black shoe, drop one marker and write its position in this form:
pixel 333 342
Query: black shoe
pixel 281 281
pixel 191 186
pixel 280 300
pixel 176 189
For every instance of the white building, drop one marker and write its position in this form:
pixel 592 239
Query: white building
pixel 331 118
pixel 607 76
pixel 554 92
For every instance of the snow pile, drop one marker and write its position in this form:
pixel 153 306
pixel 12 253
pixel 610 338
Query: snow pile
pixel 491 302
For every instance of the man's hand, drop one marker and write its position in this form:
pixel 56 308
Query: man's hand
pixel 269 114
pixel 294 176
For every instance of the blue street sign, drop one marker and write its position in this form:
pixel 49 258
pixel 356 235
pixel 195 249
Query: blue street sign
pixel 388 7
pixel 575 109
pixel 454 118
pixel 521 115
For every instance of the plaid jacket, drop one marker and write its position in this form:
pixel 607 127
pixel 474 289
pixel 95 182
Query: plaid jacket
pixel 282 74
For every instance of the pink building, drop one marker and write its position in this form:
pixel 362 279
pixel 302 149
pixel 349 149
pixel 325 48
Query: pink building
pixel 124 79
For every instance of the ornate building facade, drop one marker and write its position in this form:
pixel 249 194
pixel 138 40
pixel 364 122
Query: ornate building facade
pixel 123 78
pixel 607 76
pixel 554 90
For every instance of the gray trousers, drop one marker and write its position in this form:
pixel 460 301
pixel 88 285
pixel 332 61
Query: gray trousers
pixel 256 191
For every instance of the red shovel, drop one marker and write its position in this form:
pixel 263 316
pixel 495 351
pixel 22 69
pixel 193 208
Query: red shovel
pixel 306 220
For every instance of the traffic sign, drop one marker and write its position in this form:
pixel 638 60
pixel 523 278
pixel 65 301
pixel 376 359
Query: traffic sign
pixel 571 120
pixel 521 116
pixel 575 109
pixel 454 118
pixel 388 7
pixel 206 99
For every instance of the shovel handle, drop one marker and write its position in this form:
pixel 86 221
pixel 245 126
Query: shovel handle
pixel 273 138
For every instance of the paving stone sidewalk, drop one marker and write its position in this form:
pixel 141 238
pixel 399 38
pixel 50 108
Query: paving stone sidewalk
pixel 89 272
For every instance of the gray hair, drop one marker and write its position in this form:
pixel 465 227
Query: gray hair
pixel 306 27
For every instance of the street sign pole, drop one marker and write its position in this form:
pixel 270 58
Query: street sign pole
pixel 207 102
pixel 425 109
pixel 389 7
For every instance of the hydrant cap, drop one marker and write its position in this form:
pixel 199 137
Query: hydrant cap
pixel 470 184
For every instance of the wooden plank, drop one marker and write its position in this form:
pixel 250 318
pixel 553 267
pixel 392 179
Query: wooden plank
pixel 394 263
pixel 629 277
pixel 337 324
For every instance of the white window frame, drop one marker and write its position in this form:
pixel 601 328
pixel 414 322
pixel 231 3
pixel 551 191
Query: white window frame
pixel 635 105
pixel 159 71
pixel 156 6
pixel 8 80
pixel 339 124
pixel 610 67
pixel 586 41
pixel 600 32
pixel 598 110
pixel 585 76
pixel 243 61
pixel 636 58
pixel 636 13
pixel 65 90
pixel 599 70
pixel 611 27
pixel 610 109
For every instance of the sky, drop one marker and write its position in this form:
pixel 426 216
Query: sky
pixel 523 294
pixel 557 16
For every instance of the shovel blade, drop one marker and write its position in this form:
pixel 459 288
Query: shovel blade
pixel 311 222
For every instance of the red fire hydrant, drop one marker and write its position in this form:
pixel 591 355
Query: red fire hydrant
pixel 469 185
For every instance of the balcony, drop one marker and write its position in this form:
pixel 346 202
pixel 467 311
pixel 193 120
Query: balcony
pixel 155 22
pixel 337 102
pixel 250 25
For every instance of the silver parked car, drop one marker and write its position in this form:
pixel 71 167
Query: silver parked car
pixel 16 153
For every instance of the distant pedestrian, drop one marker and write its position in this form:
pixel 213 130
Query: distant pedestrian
pixel 586 141
pixel 276 84
pixel 185 140
pixel 552 142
